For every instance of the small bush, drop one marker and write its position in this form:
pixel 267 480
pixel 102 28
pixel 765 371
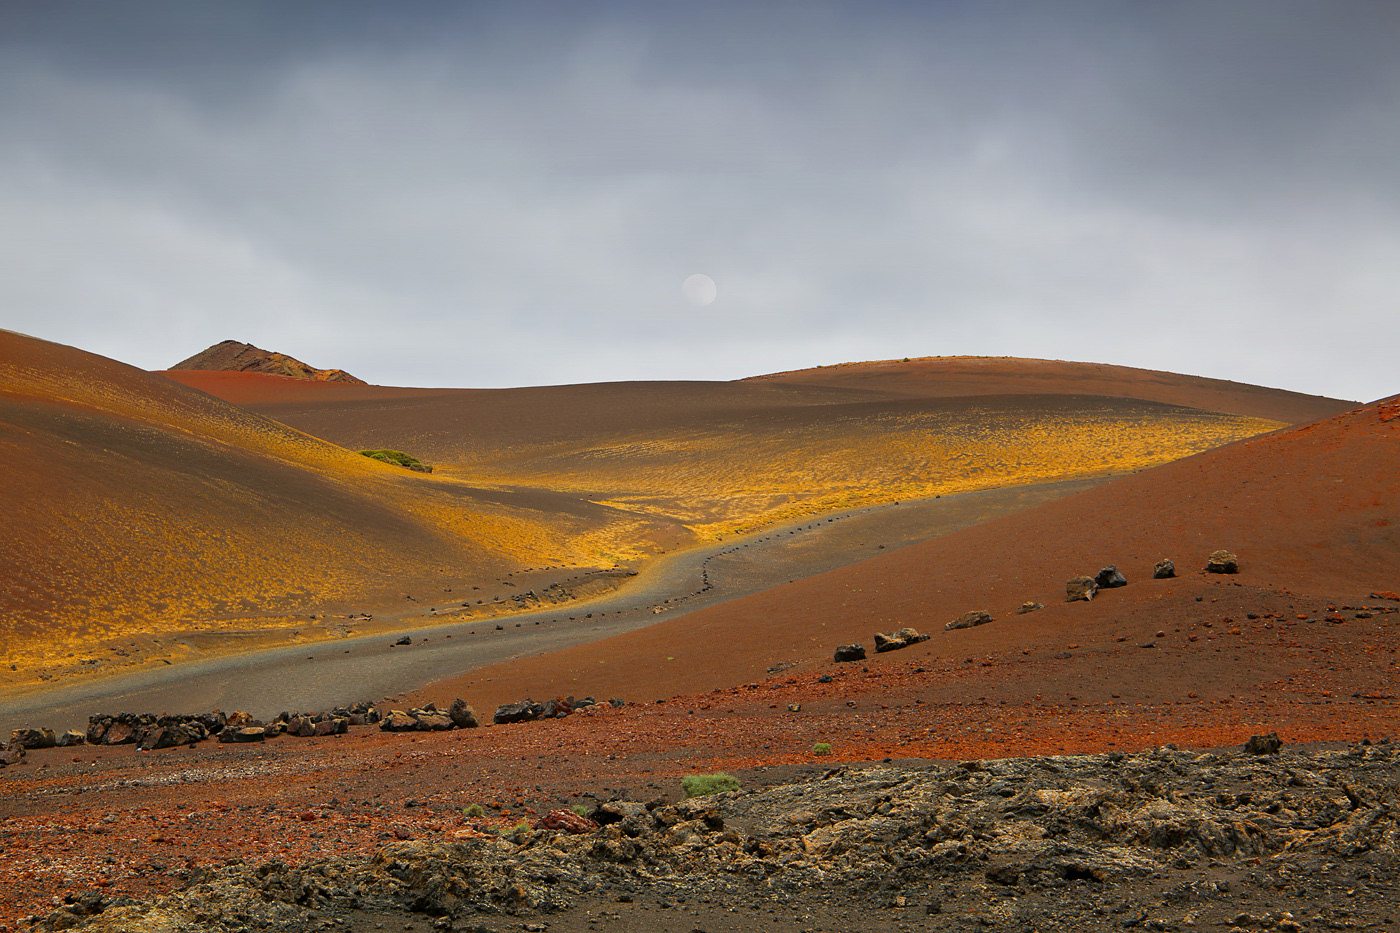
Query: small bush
pixel 398 458
pixel 581 810
pixel 702 785
pixel 473 812
pixel 821 748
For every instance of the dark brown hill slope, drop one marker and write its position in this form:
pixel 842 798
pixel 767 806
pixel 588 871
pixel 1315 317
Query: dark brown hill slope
pixel 232 356
pixel 939 376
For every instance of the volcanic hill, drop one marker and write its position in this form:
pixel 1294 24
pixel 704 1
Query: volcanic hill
pixel 723 457
pixel 232 356
pixel 144 518
pixel 1311 512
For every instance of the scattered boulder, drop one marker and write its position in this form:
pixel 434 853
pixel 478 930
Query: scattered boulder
pixel 968 620
pixel 525 710
pixel 1269 744
pixel 565 821
pixel 1080 588
pixel 301 726
pixel 1163 569
pixel 1029 607
pixel 70 738
pixel 398 721
pixel 11 754
pixel 242 734
pixel 463 715
pixel 33 738
pixel 1109 578
pixel 896 640
pixel 432 719
pixel 331 727
pixel 849 653
pixel 1222 561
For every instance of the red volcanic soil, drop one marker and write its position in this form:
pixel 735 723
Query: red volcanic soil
pixel 938 377
pixel 1310 511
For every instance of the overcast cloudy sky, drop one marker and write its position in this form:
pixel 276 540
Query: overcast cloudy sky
pixel 489 194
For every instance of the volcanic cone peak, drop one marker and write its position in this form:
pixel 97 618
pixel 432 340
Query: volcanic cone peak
pixel 232 356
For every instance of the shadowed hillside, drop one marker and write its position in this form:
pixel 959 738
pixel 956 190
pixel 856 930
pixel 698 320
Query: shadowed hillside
pixel 942 377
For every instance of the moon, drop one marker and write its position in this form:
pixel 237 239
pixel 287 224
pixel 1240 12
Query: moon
pixel 699 289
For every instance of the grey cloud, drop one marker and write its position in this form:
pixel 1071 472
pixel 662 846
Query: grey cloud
pixel 496 194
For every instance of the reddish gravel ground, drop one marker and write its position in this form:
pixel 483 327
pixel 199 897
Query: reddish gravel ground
pixel 137 823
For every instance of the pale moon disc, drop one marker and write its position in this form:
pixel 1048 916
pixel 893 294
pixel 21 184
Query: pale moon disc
pixel 699 289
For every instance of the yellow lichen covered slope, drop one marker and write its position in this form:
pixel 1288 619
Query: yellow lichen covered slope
pixel 132 505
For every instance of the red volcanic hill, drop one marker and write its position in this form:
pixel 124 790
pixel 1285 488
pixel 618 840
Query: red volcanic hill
pixel 133 504
pixel 947 376
pixel 232 356
pixel 1313 513
pixel 725 455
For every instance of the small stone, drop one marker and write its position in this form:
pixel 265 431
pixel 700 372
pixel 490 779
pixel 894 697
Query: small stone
pixel 1163 569
pixel 1108 578
pixel 1029 607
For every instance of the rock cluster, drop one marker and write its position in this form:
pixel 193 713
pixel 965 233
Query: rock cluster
pixel 527 710
pixel 431 719
pixel 1165 839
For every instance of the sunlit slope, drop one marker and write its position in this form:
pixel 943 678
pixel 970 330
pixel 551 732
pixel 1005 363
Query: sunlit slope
pixel 133 504
pixel 724 456
pixel 1311 512
pixel 951 376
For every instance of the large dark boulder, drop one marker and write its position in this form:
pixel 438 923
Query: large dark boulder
pixel 849 653
pixel 1269 744
pixel 1080 588
pixel 33 738
pixel 523 711
pixel 1109 578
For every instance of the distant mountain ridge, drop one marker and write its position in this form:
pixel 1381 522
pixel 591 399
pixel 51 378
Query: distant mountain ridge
pixel 236 357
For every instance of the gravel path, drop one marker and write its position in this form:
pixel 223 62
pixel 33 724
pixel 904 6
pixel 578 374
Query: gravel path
pixel 326 674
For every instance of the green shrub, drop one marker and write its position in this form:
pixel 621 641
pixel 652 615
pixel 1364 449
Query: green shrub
pixel 580 809
pixel 473 812
pixel 821 748
pixel 398 458
pixel 702 785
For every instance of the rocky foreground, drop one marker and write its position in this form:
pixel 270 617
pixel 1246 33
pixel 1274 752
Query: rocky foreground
pixel 1162 840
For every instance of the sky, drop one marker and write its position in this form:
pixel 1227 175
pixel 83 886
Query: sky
pixel 519 193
